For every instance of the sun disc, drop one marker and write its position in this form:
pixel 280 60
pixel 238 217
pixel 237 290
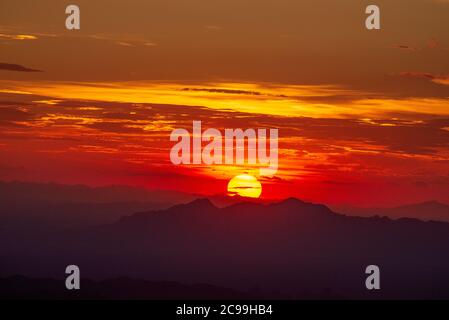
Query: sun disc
pixel 245 185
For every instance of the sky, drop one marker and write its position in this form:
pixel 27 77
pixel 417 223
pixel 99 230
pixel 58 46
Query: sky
pixel 363 116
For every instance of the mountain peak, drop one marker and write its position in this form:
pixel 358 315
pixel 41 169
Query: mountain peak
pixel 291 202
pixel 201 203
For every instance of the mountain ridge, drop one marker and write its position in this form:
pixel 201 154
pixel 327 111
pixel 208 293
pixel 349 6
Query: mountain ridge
pixel 289 247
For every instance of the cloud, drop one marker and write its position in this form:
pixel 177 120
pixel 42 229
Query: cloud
pixel 18 36
pixel 16 67
pixel 404 47
pixel 124 44
pixel 412 133
pixel 430 44
pixel 226 91
pixel 443 80
pixel 423 75
pixel 13 114
pixel 129 41
pixel 439 79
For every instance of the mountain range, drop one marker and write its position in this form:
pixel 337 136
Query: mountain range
pixel 289 249
pixel 50 205
pixel 426 211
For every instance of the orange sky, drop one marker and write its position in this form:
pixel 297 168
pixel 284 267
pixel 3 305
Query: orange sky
pixel 363 116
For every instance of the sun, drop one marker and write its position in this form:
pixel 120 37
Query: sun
pixel 244 185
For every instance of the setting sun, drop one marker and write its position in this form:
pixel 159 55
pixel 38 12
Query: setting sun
pixel 244 185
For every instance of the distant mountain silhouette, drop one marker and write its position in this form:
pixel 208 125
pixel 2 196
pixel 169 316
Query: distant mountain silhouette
pixel 426 211
pixel 53 193
pixel 49 205
pixel 292 249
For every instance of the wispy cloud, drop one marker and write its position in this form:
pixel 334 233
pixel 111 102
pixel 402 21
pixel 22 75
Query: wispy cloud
pixel 16 67
pixel 18 36
pixel 256 98
pixel 439 79
pixel 405 47
pixel 125 40
pixel 429 45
